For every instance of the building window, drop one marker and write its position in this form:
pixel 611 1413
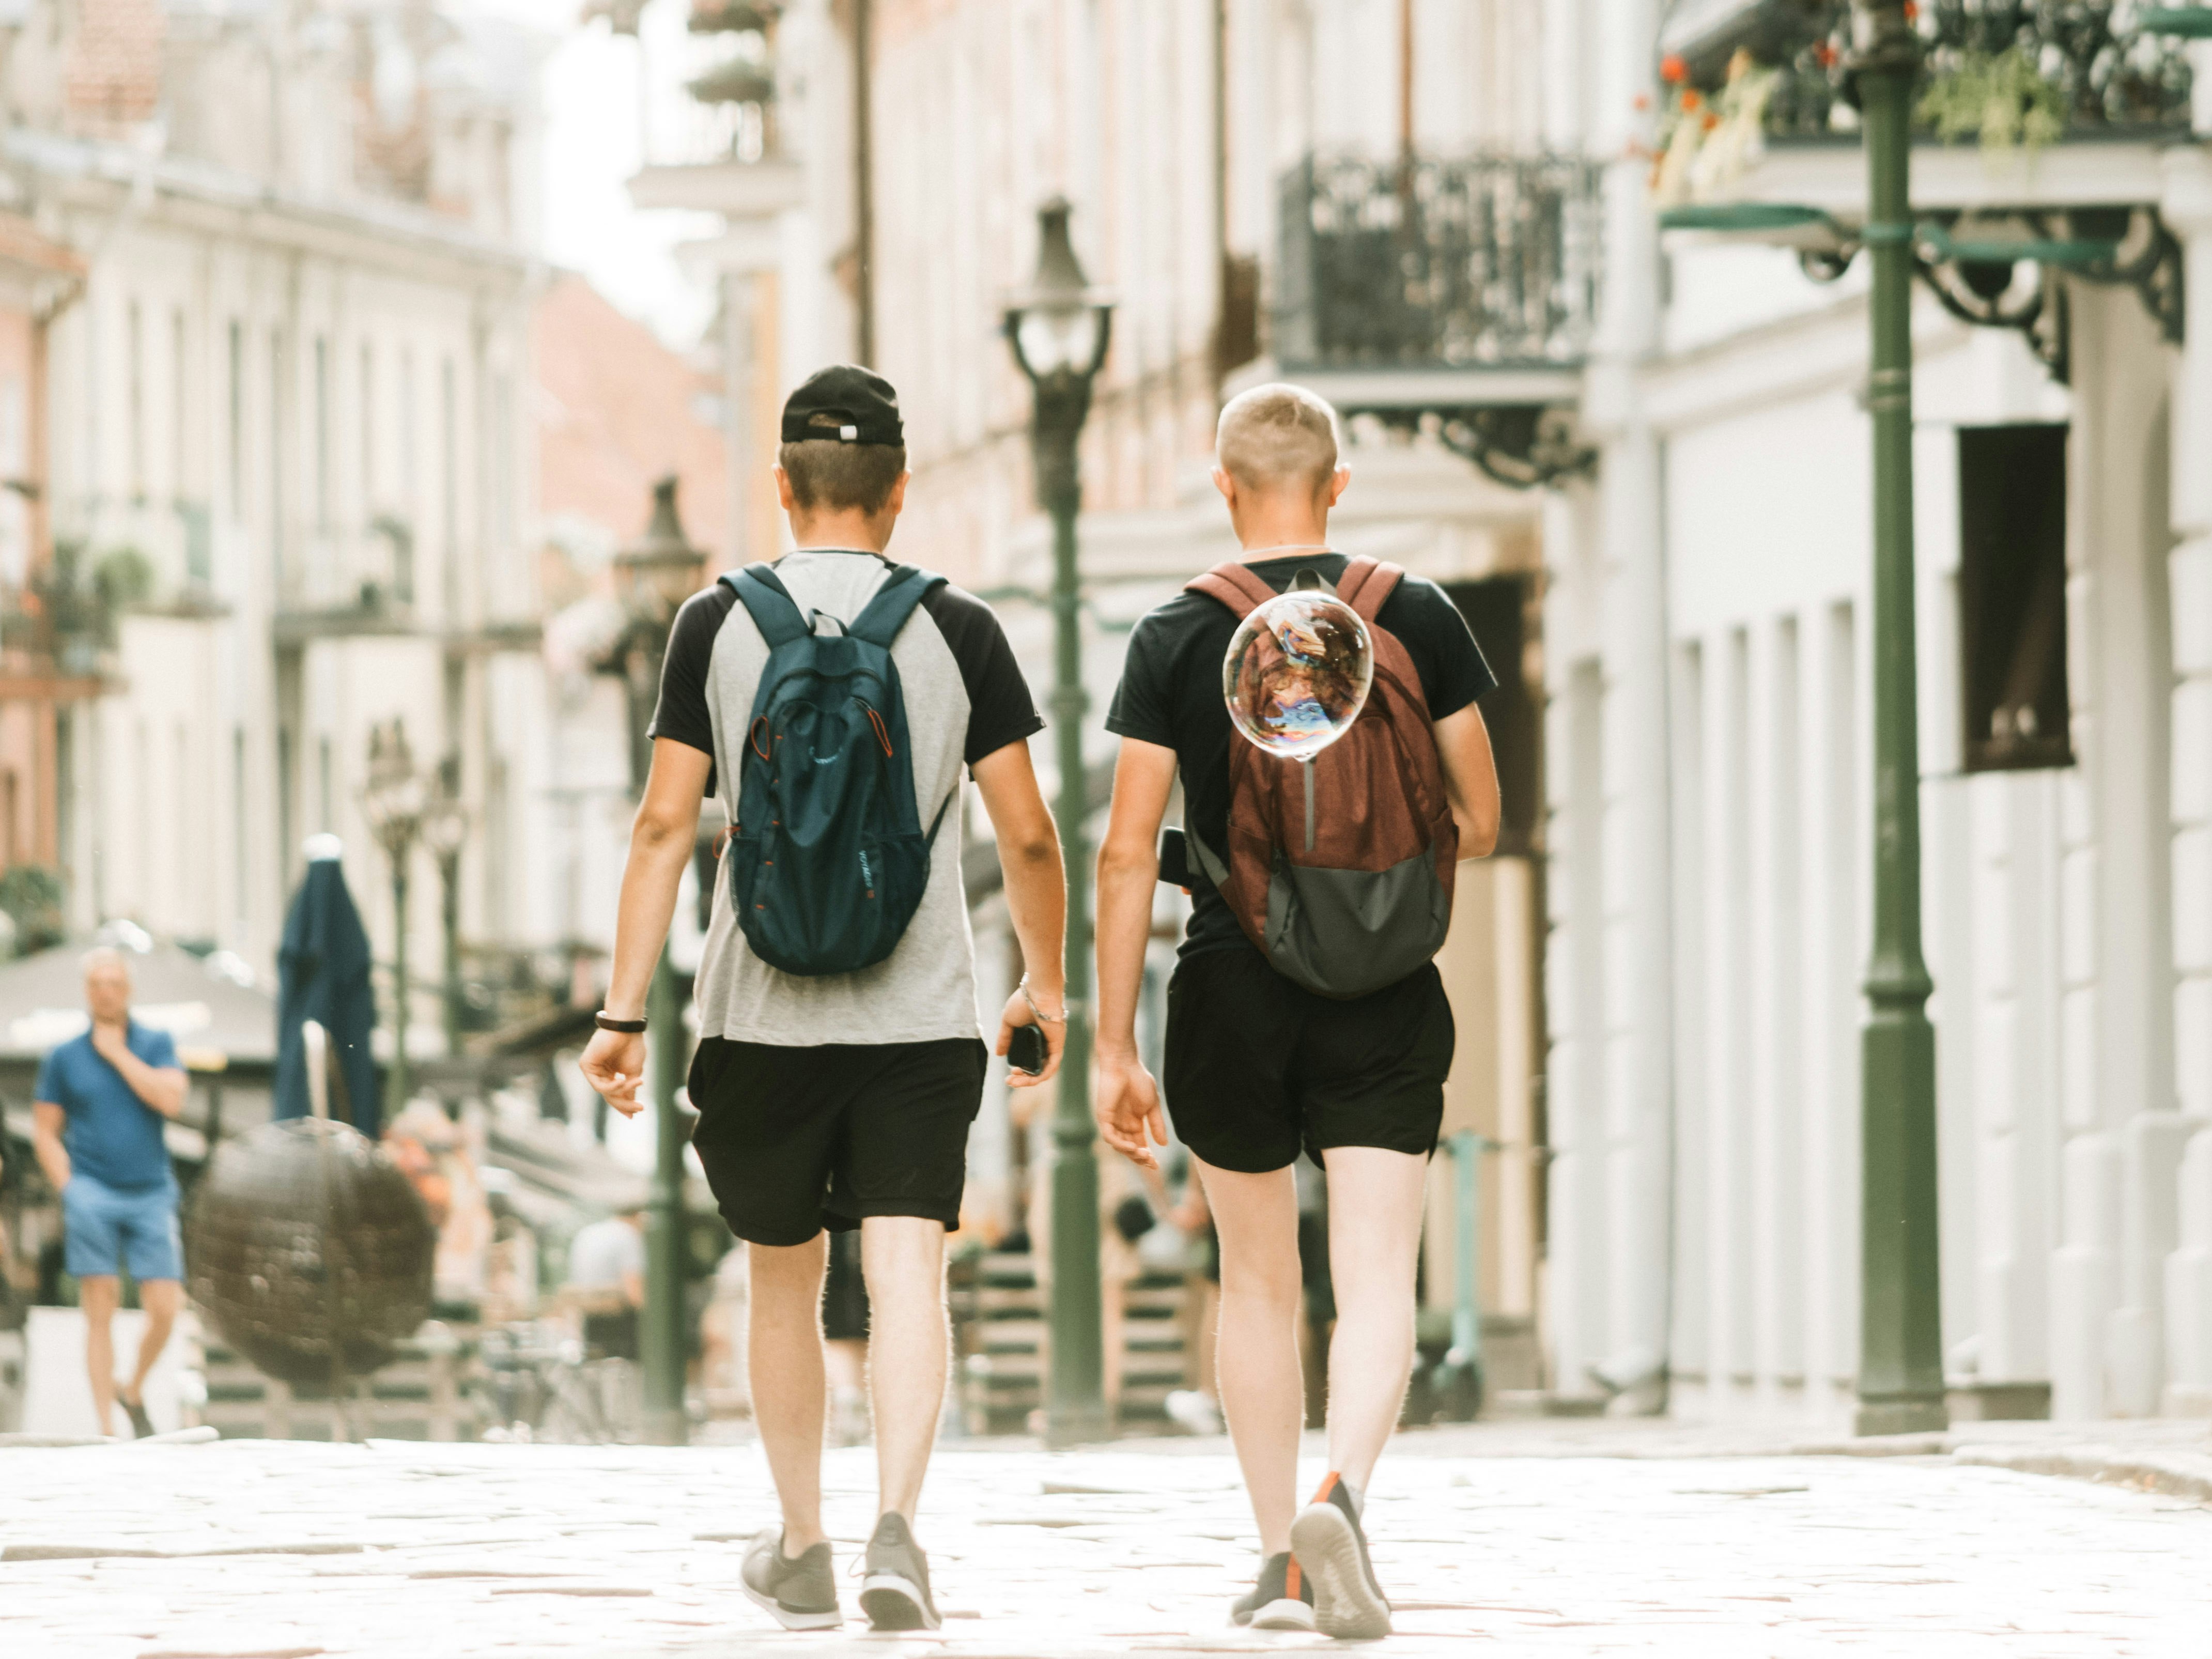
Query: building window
pixel 237 419
pixel 2012 598
pixel 177 405
pixel 277 403
pixel 367 430
pixel 322 433
pixel 449 452
pixel 135 346
pixel 1497 612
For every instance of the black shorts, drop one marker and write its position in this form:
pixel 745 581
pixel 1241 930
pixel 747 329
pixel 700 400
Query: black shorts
pixel 797 1139
pixel 1258 1068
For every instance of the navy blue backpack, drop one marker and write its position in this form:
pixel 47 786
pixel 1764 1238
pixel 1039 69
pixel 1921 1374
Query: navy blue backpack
pixel 828 859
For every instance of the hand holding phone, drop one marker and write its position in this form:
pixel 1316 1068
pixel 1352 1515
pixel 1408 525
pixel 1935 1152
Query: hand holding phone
pixel 1026 1052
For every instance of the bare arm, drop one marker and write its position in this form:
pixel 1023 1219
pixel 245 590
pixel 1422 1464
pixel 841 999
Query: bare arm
pixel 162 1088
pixel 47 1120
pixel 661 842
pixel 1470 779
pixel 1126 1102
pixel 1037 895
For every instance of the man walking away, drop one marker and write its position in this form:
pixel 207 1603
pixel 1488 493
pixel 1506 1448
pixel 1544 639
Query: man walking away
pixel 606 1272
pixel 840 1063
pixel 1258 1065
pixel 97 1112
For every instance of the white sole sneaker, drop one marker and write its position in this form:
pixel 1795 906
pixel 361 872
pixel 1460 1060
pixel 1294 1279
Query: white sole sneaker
pixel 1285 1613
pixel 789 1620
pixel 1346 1604
pixel 893 1602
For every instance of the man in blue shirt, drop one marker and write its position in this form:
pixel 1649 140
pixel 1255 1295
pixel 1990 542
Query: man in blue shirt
pixel 100 1106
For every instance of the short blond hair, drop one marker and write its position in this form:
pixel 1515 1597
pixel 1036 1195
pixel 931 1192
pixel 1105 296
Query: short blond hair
pixel 1275 436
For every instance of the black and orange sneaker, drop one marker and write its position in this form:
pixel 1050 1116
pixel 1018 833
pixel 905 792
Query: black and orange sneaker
pixel 1282 1600
pixel 1332 1549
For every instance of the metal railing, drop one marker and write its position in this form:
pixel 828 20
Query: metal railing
pixel 1483 261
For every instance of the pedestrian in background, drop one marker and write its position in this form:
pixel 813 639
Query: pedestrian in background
pixel 834 699
pixel 606 1271
pixel 1260 1065
pixel 98 1109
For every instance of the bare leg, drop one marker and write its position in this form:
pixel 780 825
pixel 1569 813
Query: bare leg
pixel 1374 1249
pixel 903 1257
pixel 1262 1394
pixel 1206 1298
pixel 161 1298
pixel 98 1297
pixel 784 1361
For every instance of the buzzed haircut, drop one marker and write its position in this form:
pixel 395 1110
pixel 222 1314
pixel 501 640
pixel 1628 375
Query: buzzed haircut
pixel 830 475
pixel 1277 435
pixel 105 956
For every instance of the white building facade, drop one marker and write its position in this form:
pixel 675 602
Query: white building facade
pixel 1708 673
pixel 288 412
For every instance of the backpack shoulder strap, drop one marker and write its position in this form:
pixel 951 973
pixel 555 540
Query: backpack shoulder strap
pixel 1366 583
pixel 1233 585
pixel 882 617
pixel 762 593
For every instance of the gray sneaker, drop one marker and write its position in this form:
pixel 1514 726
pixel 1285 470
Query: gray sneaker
pixel 895 1593
pixel 1331 1547
pixel 800 1592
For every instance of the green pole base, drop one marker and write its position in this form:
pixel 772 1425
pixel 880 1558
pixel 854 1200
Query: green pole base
pixel 666 1428
pixel 1917 1415
pixel 1084 1424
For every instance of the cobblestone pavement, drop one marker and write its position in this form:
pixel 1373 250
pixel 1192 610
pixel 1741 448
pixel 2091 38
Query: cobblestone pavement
pixel 252 1548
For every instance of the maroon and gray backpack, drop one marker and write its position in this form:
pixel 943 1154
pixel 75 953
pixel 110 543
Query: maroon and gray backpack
pixel 1340 868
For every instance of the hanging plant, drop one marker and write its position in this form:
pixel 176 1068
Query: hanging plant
pixel 1999 98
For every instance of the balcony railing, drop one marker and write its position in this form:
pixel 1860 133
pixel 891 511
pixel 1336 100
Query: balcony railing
pixel 2099 76
pixel 1480 262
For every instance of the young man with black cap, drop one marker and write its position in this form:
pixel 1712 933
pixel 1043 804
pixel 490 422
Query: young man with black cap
pixel 841 1099
pixel 1258 1067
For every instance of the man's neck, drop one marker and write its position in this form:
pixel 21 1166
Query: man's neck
pixel 1312 539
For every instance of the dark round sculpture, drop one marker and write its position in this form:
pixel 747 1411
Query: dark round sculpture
pixel 303 1228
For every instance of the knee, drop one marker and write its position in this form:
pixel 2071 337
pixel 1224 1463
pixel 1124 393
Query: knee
pixel 782 1272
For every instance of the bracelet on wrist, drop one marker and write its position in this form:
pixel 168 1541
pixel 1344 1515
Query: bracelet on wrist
pixel 1039 1014
pixel 607 1022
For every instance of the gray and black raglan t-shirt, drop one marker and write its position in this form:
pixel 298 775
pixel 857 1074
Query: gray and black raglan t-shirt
pixel 965 698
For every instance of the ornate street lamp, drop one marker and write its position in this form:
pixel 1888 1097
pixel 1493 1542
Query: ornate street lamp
pixel 656 574
pixel 446 827
pixel 1059 330
pixel 1900 1382
pixel 394 801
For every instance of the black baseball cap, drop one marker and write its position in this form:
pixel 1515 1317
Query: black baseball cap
pixel 846 403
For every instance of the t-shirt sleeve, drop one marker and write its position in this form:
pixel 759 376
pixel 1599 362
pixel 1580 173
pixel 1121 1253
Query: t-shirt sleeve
pixel 1436 636
pixel 1140 705
pixel 161 1051
pixel 48 1087
pixel 1000 710
pixel 681 713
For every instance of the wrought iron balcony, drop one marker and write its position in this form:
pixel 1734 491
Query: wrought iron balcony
pixel 1480 262
pixel 2074 69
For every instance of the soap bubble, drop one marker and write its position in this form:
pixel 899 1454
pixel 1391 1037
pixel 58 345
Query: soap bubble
pixel 1297 673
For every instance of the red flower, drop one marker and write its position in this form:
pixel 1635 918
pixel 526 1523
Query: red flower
pixel 1673 70
pixel 1911 11
pixel 1692 101
pixel 1712 121
pixel 1824 55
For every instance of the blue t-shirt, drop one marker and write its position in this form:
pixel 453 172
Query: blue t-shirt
pixel 110 1135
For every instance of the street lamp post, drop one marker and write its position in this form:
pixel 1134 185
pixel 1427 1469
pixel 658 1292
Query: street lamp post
pixel 394 802
pixel 1059 331
pixel 657 573
pixel 446 827
pixel 1900 1381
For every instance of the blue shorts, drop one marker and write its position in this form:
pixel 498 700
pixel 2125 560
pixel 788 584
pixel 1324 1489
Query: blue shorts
pixel 104 1224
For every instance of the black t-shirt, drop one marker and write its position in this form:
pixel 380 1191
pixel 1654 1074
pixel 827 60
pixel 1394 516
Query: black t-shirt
pixel 999 709
pixel 1171 695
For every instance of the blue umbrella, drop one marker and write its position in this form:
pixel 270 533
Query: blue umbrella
pixel 323 974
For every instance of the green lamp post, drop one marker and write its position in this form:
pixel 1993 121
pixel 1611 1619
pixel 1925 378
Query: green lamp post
pixel 1900 1380
pixel 395 800
pixel 1059 330
pixel 654 575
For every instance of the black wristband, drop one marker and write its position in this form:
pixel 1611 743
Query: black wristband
pixel 607 1022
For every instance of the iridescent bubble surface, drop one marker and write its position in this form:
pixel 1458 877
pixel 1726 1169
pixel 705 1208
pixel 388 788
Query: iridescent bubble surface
pixel 1297 672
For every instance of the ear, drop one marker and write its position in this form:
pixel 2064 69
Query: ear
pixel 894 503
pixel 1337 481
pixel 1226 485
pixel 785 499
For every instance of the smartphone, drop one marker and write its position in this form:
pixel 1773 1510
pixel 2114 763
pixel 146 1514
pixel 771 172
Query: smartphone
pixel 1027 1051
pixel 1175 859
